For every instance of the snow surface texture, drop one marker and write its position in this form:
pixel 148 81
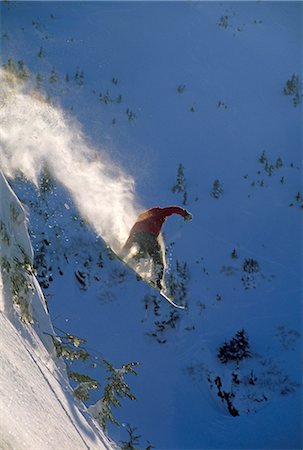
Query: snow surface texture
pixel 37 406
pixel 155 85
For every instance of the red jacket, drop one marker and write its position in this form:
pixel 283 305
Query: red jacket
pixel 153 219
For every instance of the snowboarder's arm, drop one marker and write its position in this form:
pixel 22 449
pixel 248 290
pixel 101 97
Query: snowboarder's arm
pixel 170 210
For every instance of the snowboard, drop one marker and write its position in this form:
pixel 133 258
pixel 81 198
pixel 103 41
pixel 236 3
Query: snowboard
pixel 142 274
pixel 164 295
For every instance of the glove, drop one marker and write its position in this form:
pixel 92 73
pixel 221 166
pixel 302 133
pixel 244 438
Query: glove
pixel 187 216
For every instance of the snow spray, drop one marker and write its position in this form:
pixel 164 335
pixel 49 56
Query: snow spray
pixel 35 135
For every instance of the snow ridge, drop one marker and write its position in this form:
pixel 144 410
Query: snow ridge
pixel 37 406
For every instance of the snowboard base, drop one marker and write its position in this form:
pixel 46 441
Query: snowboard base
pixel 170 300
pixel 162 293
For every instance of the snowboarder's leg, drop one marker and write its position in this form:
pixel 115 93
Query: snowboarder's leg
pixel 153 249
pixel 134 247
pixel 159 269
pixel 144 245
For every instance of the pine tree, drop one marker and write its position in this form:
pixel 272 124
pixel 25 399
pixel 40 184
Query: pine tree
pixel 23 72
pixel 263 158
pixel 217 189
pixel 20 71
pixel 250 265
pixel 236 349
pixel 86 384
pixel 115 389
pixel 234 254
pixel 41 53
pixel 134 439
pixel 53 76
pixel 181 88
pixel 181 185
pixel 293 88
pixel 69 347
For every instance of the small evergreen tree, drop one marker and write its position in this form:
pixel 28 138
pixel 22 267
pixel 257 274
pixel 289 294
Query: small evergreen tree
pixel 130 114
pixel 18 273
pixel 86 384
pixel 293 88
pixel 23 72
pixel 20 71
pixel 279 163
pixel 115 389
pixel 134 439
pixel 217 189
pixel 53 76
pixel 181 185
pixel 263 158
pixel 72 349
pixel 250 265
pixel 41 53
pixel 236 349
pixel 69 347
pixel 177 282
pixel 39 80
pixel 234 254
pixel 79 77
pixel 105 98
pixel 181 88
pixel 223 22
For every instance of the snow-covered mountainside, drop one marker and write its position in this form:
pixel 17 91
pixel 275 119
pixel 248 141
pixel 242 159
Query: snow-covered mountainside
pixel 108 108
pixel 37 407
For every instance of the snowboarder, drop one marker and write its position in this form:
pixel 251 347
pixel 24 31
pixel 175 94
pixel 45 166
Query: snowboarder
pixel 143 241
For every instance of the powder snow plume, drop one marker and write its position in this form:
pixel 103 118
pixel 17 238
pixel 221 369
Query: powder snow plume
pixel 35 134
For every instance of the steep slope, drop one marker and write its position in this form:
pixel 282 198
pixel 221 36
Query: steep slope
pixel 216 87
pixel 37 406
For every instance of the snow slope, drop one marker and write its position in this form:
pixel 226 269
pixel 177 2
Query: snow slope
pixel 153 85
pixel 37 406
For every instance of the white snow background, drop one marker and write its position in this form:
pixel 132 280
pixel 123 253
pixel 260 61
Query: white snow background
pixel 136 89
